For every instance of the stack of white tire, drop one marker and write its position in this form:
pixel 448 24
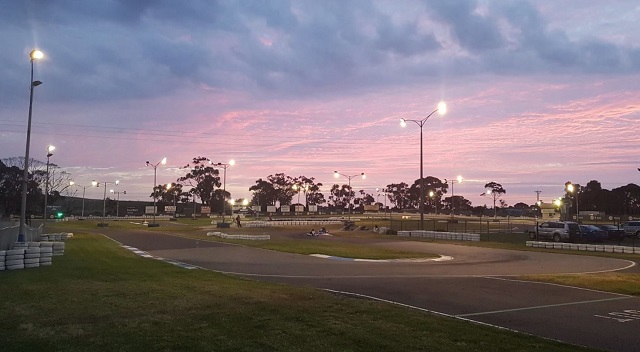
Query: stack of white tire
pixel 46 253
pixel 32 256
pixel 14 259
pixel 3 258
pixel 58 248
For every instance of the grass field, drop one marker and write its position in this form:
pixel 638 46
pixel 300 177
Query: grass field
pixel 100 297
pixel 347 244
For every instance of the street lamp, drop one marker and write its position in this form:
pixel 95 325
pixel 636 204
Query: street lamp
pixel 84 188
pixel 104 200
pixel 224 185
pixel 432 195
pixel 442 109
pixel 575 191
pixel 171 187
pixel 336 174
pixel 50 150
pixel 34 55
pixel 453 201
pixel 117 201
pixel 155 173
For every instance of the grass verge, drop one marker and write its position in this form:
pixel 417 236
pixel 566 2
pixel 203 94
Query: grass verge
pixel 99 296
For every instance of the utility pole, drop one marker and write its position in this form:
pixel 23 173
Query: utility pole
pixel 538 196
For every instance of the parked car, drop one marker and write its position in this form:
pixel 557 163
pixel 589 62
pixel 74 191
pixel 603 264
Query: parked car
pixel 632 228
pixel 613 232
pixel 591 233
pixel 558 231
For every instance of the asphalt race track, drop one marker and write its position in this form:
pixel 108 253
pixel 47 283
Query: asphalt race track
pixel 478 284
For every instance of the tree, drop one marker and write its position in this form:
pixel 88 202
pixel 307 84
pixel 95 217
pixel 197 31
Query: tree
pixel 366 198
pixel 276 188
pixel 398 195
pixel 431 184
pixel 310 188
pixel 461 203
pixel 341 195
pixel 263 193
pixel 202 177
pixel 495 191
pixel 11 191
pixel 628 197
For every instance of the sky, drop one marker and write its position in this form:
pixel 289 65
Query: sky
pixel 538 93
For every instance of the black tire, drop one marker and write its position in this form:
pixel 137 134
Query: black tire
pixel 638 234
pixel 532 235
pixel 557 238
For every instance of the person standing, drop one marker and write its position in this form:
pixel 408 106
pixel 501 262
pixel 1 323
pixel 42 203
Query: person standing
pixel 238 221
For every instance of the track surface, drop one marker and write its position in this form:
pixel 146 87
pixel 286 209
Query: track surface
pixel 479 284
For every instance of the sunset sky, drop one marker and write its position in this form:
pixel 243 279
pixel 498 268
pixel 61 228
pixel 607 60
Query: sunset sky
pixel 538 92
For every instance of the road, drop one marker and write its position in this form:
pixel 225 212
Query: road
pixel 478 284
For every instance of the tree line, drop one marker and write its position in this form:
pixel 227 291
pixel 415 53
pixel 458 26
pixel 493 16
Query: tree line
pixel 201 182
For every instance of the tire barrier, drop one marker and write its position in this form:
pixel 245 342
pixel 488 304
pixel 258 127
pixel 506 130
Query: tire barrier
pixel 32 254
pixel 584 247
pixel 58 248
pixel 239 237
pixel 62 236
pixel 14 258
pixel 438 235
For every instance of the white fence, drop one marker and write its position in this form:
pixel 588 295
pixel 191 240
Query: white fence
pixel 584 247
pixel 239 237
pixel 9 235
pixel 456 236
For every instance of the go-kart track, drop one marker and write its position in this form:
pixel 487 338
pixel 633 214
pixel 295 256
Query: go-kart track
pixel 476 284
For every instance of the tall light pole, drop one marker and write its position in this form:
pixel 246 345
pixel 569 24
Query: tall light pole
pixel 155 174
pixel 84 188
pixel 170 186
pixel 336 174
pixel 104 200
pixel 117 201
pixel 432 195
pixel 50 150
pixel 575 190
pixel 442 109
pixel 34 55
pixel 224 183
pixel 453 198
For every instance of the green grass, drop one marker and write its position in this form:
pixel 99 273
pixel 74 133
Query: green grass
pixel 348 244
pixel 100 297
pixel 281 239
pixel 623 283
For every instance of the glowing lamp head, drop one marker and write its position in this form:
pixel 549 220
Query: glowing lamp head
pixel 36 55
pixel 50 149
pixel 336 174
pixel 363 176
pixel 442 108
pixel 164 161
pixel 232 162
pixel 459 179
pixel 571 188
pixel 245 201
pixel 71 183
pixel 431 193
pixel 117 181
pixel 403 123
pixel 94 183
